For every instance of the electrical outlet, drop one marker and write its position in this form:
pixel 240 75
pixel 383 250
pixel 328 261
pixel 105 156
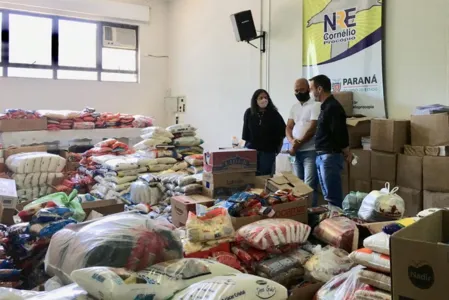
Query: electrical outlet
pixel 181 104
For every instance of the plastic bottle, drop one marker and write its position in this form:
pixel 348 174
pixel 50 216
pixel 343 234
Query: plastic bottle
pixel 235 142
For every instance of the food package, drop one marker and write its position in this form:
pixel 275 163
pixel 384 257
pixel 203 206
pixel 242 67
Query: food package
pixel 35 162
pixel 377 280
pixel 379 242
pixel 155 132
pixel 195 159
pixel 371 295
pixel 125 240
pixel 69 292
pixel 227 259
pixel 372 260
pixel 382 206
pixel 141 192
pixel 187 141
pixel 326 263
pixel 352 202
pixel 234 286
pixel 170 276
pixel 179 128
pixel 273 233
pixel 343 286
pixel 337 232
pixel 215 224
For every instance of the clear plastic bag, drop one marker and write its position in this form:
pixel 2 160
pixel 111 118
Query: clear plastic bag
pixel 14 294
pixel 170 276
pixel 371 295
pixel 352 202
pixel 215 224
pixel 126 240
pixel 326 263
pixel 343 286
pixel 234 286
pixel 377 280
pixel 337 232
pixel 382 206
pixel 273 233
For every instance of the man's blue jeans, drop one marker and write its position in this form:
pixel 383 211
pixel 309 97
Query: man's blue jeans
pixel 304 167
pixel 329 168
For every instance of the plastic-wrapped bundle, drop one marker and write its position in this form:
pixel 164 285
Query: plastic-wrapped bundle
pixel 326 263
pixel 372 260
pixel 215 224
pixel 235 286
pixel 69 292
pixel 272 233
pixel 382 206
pixel 170 276
pixel 337 232
pixel 352 202
pixel 35 162
pixel 126 240
pixel 141 192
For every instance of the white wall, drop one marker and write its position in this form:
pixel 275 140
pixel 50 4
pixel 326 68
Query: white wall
pixel 145 97
pixel 219 75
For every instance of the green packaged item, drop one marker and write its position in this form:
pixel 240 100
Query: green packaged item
pixel 61 199
pixel 352 202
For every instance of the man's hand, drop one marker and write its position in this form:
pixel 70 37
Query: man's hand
pixel 295 146
pixel 348 155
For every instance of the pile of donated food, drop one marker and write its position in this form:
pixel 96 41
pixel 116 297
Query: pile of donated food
pixel 132 255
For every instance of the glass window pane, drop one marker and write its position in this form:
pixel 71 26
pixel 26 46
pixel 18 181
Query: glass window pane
pixel 30 73
pixel 119 59
pixel 77 44
pixel 30 39
pixel 119 77
pixel 77 75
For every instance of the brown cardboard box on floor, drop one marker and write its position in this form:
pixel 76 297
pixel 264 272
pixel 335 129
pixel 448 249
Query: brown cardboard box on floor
pixel 25 149
pixel 104 207
pixel 377 185
pixel 414 150
pixel 358 127
pixel 435 174
pixel 362 170
pixel 383 166
pixel 12 125
pixel 436 150
pixel 357 185
pixel 306 292
pixel 226 184
pixel 409 172
pixel 182 205
pixel 435 200
pixel 419 259
pixel 413 200
pixel 346 100
pixel 389 135
pixel 430 130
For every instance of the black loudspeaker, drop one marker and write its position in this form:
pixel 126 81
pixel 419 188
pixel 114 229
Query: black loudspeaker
pixel 243 24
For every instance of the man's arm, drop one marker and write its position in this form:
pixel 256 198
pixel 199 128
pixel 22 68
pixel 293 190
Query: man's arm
pixel 310 132
pixel 289 131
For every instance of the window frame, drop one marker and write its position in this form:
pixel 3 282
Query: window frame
pixel 5 64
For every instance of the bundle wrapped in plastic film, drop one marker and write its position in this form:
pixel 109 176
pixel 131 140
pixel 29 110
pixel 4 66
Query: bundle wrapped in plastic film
pixel 272 234
pixel 337 232
pixel 127 240
pixel 170 276
pixel 215 224
pixel 343 286
pixel 234 286
pixel 352 202
pixel 326 263
pixel 69 292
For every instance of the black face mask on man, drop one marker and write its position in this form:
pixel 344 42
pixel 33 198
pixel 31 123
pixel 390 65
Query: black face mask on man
pixel 302 97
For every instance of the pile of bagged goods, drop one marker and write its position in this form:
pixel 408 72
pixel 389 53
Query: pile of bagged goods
pixel 182 233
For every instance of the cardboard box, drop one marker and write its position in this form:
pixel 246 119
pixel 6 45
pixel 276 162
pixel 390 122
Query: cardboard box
pixel 358 127
pixel 435 199
pixel 288 181
pixel 430 130
pixel 12 125
pixel 357 185
pixel 413 200
pixel 3 168
pixel 436 150
pixel 414 150
pixel 383 166
pixel 435 174
pixel 380 184
pixel 346 100
pixel 8 193
pixel 409 172
pixel 362 170
pixel 389 135
pixel 14 150
pixel 419 259
pixel 104 207
pixel 226 184
pixel 230 161
pixel 182 205
pixel 305 292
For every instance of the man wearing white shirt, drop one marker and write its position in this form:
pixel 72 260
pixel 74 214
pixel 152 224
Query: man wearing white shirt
pixel 300 132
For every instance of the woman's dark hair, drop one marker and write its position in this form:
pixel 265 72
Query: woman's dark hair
pixel 255 107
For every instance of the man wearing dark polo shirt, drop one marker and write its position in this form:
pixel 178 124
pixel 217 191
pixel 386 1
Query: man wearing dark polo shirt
pixel 331 140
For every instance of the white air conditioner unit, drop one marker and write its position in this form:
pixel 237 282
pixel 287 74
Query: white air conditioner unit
pixel 119 38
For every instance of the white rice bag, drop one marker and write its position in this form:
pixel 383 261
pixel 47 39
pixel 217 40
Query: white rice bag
pixel 379 242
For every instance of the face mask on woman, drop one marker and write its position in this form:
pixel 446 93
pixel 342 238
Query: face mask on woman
pixel 263 103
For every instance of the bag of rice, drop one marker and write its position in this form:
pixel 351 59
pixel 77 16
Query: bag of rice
pixel 326 263
pixel 155 132
pixel 372 260
pixel 195 159
pixel 234 286
pixel 160 281
pixel 371 295
pixel 187 141
pixel 377 280
pixel 379 242
pixel 181 128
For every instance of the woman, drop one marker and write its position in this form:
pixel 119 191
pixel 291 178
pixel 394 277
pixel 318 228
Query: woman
pixel 264 131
